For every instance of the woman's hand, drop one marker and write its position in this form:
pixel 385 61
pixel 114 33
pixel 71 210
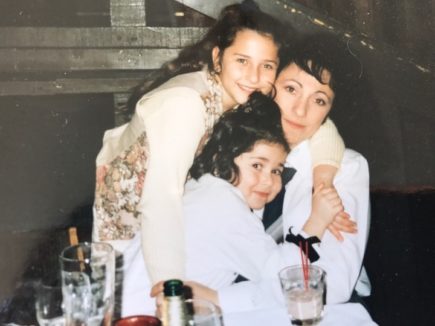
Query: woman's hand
pixel 342 223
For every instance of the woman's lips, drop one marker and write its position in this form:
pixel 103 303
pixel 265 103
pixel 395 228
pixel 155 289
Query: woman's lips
pixel 294 124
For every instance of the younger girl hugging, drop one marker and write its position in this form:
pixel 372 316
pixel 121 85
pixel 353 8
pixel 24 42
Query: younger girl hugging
pixel 238 171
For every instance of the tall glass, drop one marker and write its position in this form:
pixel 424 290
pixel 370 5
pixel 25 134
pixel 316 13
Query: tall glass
pixel 88 278
pixel 304 296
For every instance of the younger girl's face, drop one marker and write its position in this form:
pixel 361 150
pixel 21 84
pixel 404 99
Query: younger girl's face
pixel 260 173
pixel 249 64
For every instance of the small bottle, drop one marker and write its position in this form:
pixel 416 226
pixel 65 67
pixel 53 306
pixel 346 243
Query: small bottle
pixel 173 309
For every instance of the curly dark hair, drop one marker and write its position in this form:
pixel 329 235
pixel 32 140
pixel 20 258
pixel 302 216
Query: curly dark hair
pixel 232 19
pixel 235 133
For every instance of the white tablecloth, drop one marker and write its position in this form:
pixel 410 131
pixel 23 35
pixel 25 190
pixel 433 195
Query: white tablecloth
pixel 346 314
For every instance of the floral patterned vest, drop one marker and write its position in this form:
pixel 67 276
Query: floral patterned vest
pixel 119 183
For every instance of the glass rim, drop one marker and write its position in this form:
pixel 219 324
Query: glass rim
pixel 82 245
pixel 318 269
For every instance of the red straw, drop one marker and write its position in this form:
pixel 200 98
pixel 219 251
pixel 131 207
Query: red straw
pixel 305 263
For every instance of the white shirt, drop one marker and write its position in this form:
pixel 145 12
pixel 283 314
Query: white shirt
pixel 342 261
pixel 223 239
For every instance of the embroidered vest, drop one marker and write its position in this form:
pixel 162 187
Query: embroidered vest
pixel 119 182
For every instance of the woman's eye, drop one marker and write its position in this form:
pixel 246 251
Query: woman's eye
pixel 320 102
pixel 241 60
pixel 256 166
pixel 269 66
pixel 290 89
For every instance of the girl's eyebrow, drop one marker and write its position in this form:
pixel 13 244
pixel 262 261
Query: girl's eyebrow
pixel 247 56
pixel 273 61
pixel 265 159
pixel 241 55
pixel 262 158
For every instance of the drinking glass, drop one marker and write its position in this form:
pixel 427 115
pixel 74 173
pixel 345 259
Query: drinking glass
pixel 88 278
pixel 48 305
pixel 202 313
pixel 304 298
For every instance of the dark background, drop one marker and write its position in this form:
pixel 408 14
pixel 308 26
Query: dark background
pixel 49 139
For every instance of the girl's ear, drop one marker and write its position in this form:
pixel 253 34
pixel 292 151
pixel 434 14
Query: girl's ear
pixel 216 59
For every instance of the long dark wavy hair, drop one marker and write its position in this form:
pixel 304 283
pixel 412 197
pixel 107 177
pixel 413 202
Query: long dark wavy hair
pixel 235 133
pixel 231 20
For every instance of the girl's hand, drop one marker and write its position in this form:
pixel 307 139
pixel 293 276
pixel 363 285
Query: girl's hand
pixel 198 290
pixel 157 292
pixel 157 289
pixel 324 174
pixel 342 223
pixel 326 204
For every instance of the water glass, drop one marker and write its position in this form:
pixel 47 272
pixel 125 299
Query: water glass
pixel 88 278
pixel 304 295
pixel 202 313
pixel 48 305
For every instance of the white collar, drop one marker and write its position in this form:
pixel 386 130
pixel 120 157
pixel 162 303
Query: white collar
pixel 300 158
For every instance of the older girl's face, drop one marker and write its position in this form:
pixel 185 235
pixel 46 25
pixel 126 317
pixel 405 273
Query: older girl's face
pixel 249 64
pixel 260 173
pixel 304 102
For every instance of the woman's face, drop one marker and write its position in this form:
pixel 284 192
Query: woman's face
pixel 260 173
pixel 304 102
pixel 247 65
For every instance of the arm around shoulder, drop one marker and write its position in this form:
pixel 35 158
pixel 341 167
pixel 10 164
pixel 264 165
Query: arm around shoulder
pixel 326 145
pixel 327 148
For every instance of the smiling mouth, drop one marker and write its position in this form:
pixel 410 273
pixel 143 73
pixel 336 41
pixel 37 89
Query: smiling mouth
pixel 294 124
pixel 247 89
pixel 262 194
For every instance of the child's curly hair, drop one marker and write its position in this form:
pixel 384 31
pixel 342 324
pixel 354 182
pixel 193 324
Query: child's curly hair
pixel 235 133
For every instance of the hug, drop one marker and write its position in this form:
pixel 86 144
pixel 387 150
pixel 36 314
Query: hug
pixel 181 187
